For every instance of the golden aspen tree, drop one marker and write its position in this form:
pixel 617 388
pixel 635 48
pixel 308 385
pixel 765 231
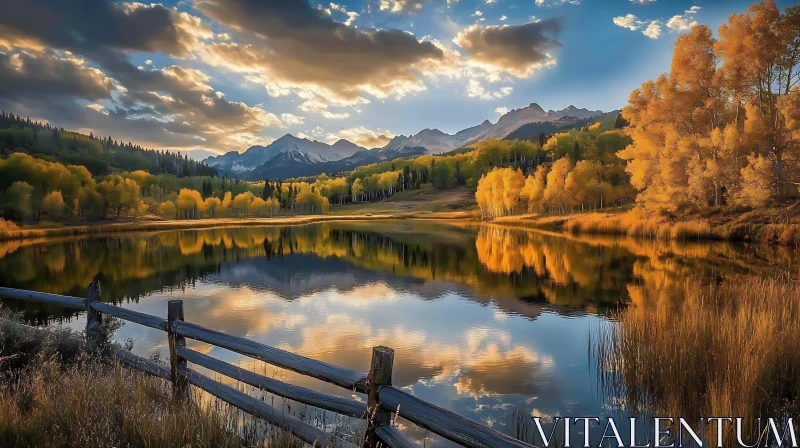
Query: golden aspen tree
pixel 513 181
pixel 581 184
pixel 555 194
pixel 496 181
pixel 167 209
pixel 227 200
pixel 539 183
pixel 357 190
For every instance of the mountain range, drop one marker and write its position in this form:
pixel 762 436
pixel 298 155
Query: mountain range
pixel 291 156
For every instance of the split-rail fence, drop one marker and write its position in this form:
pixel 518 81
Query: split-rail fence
pixel 382 399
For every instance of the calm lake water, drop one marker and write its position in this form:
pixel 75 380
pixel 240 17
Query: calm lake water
pixel 484 320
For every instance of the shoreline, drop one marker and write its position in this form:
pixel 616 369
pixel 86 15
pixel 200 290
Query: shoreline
pixel 757 226
pixel 754 227
pixel 99 227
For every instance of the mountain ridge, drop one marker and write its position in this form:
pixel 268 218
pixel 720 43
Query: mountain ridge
pixel 315 154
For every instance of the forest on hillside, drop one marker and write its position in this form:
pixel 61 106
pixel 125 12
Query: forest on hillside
pixel 100 155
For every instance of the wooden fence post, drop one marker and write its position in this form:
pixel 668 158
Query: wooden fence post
pixel 180 388
pixel 380 374
pixel 95 338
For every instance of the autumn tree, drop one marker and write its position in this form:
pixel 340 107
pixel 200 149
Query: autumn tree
pixel 555 193
pixel 53 205
pixel 498 192
pixel 357 190
pixel 17 198
pixel 167 209
pixel 719 126
pixel 533 191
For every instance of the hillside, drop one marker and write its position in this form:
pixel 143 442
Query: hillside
pixel 425 200
pixel 100 155
pixel 295 164
pixel 532 131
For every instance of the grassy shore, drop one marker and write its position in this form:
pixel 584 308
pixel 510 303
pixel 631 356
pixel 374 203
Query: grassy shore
pixel 706 350
pixel 774 226
pixel 10 231
pixel 52 393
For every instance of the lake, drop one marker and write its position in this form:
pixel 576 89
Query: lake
pixel 488 321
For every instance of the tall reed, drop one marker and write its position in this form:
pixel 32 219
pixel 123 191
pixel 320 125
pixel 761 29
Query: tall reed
pixel 638 224
pixel 728 349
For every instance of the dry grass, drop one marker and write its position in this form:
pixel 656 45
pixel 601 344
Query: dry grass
pixel 768 226
pixel 422 201
pixel 706 350
pixel 776 225
pixel 7 228
pixel 638 224
pixel 90 404
pixel 53 394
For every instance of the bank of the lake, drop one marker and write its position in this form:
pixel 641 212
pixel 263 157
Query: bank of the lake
pixel 12 231
pixel 772 226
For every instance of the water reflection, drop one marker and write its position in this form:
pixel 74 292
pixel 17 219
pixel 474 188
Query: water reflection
pixel 483 318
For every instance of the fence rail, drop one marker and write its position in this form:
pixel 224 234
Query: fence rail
pixel 382 398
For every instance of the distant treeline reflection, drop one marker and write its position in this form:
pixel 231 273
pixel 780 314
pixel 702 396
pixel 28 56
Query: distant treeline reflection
pixel 592 274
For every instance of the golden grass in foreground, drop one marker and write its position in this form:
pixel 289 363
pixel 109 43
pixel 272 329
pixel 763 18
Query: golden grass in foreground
pixel 90 404
pixel 707 350
pixel 52 394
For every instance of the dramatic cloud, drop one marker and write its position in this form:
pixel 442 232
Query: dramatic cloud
pixel 519 49
pixel 297 46
pixel 362 136
pixel 50 77
pixel 170 107
pixel 100 24
pixel 70 63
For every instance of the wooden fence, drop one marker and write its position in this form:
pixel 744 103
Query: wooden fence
pixel 382 398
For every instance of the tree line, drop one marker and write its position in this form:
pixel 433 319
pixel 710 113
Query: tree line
pixel 100 155
pixel 33 189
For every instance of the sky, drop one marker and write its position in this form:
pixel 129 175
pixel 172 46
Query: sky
pixel 222 75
